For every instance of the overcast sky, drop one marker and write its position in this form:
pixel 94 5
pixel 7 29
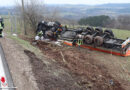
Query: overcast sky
pixel 89 2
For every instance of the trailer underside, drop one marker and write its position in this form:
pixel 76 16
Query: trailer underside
pixel 101 49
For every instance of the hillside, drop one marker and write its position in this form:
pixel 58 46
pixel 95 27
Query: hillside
pixel 78 11
pixel 5 10
pixel 69 11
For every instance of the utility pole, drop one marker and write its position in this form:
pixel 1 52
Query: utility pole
pixel 25 32
pixel 11 23
pixel 15 23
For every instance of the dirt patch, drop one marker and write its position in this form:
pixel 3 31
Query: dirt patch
pixel 86 71
pixel 85 67
pixel 51 77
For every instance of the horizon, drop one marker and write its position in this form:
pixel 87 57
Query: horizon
pixel 88 4
pixel 72 4
pixel 68 2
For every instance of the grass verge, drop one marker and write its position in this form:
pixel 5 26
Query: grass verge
pixel 26 45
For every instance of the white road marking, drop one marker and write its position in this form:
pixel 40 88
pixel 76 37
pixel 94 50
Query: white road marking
pixel 2 74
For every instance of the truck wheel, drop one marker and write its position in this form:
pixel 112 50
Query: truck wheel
pixel 90 29
pixel 88 39
pixel 98 41
pixel 99 30
pixel 109 32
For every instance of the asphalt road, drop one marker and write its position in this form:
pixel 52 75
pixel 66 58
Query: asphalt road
pixel 6 82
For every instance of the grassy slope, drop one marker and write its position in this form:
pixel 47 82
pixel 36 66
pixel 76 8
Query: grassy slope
pixel 122 34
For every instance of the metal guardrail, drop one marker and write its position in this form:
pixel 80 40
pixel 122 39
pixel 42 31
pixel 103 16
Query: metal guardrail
pixel 7 82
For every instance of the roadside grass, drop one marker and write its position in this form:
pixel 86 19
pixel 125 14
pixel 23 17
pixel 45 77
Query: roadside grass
pixel 10 25
pixel 121 34
pixel 9 33
pixel 10 28
pixel 26 45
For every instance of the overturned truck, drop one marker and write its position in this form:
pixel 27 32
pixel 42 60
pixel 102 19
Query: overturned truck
pixel 99 41
pixel 50 30
pixel 94 39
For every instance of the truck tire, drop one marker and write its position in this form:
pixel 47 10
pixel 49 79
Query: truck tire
pixel 90 29
pixel 99 30
pixel 98 41
pixel 88 39
pixel 109 32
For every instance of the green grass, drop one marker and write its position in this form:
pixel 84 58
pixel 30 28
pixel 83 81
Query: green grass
pixel 8 24
pixel 121 34
pixel 25 45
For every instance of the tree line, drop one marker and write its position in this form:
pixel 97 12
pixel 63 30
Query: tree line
pixel 120 22
pixel 94 20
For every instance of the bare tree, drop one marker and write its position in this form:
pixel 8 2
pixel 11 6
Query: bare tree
pixel 121 22
pixel 124 22
pixel 32 14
